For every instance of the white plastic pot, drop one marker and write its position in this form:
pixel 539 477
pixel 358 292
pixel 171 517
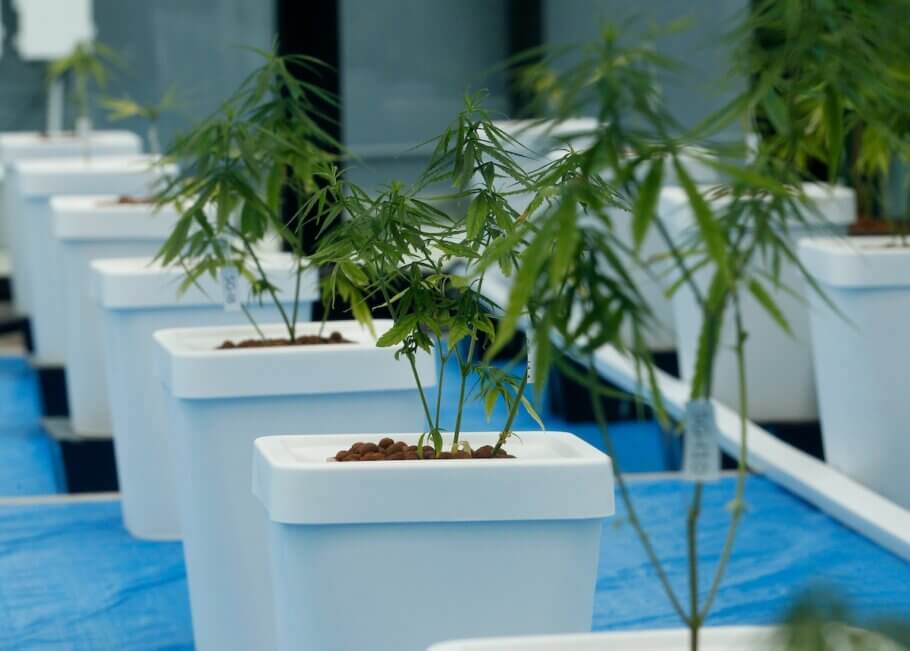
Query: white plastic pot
pixel 722 638
pixel 733 638
pixel 24 145
pixel 778 365
pixel 220 402
pixel 396 555
pixel 35 182
pixel 862 358
pixel 87 228
pixel 138 297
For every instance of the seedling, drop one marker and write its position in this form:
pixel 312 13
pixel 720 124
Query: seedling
pixel 236 166
pixel 125 108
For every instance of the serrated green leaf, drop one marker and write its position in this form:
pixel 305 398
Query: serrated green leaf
pixel 645 205
pixel 770 306
pixel 477 215
pixel 710 229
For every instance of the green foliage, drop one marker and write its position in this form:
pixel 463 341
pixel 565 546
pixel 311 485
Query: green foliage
pixel 573 279
pixel 236 166
pixel 831 83
pixel 423 265
pixel 823 621
pixel 89 61
pixel 124 108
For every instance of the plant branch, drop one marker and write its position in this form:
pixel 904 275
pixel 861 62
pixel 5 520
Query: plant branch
pixel 626 497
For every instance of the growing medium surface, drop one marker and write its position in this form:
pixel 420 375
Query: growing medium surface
pixel 390 450
pixel 305 340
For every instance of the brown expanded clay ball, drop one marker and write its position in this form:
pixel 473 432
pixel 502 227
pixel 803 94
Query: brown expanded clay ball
pixel 390 450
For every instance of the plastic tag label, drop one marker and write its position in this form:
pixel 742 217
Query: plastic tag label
pixel 701 454
pixel 532 357
pixel 230 286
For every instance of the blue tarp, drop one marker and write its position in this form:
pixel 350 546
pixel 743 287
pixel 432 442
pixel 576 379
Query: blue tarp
pixel 29 458
pixel 71 578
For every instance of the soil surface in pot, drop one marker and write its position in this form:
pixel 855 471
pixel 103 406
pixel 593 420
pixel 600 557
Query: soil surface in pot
pixel 390 450
pixel 125 200
pixel 305 340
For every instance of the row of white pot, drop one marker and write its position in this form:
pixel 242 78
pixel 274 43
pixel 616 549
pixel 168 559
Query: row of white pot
pixel 17 147
pixel 861 346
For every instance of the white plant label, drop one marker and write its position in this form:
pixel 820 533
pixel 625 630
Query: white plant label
pixel 230 288
pixel 532 356
pixel 701 450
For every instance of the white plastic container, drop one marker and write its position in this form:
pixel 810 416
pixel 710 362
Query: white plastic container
pixel 778 365
pixel 396 555
pixel 24 145
pixel 88 228
pixel 35 182
pixel 733 638
pixel 220 402
pixel 723 638
pixel 862 358
pixel 136 298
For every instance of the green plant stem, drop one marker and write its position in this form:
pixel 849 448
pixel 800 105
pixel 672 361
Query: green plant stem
pixel 411 361
pixel 681 263
pixel 465 373
pixel 694 620
pixel 513 412
pixel 443 362
pixel 632 512
pixel 154 141
pixel 741 468
pixel 296 310
pixel 252 321
pixel 249 249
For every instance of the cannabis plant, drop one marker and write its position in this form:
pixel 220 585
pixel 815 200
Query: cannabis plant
pixel 423 264
pixel 830 73
pixel 124 108
pixel 237 166
pixel 89 62
pixel 573 285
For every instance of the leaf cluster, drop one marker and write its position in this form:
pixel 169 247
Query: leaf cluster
pixel 237 165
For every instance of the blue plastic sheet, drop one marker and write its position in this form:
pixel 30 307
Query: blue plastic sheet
pixel 784 546
pixel 73 579
pixel 29 459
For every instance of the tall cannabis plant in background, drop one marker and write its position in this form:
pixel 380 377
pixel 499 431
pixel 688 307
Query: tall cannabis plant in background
pixel 89 62
pixel 832 84
pixel 123 108
pixel 572 276
pixel 236 167
pixel 422 264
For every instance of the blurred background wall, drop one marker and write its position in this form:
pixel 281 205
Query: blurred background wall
pixel 403 65
pixel 193 44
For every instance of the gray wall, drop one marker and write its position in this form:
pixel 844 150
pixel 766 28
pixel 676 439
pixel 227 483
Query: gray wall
pixel 190 43
pixel 701 49
pixel 405 66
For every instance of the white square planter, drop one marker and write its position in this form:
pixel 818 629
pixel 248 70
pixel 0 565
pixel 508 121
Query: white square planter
pixel 220 402
pixel 23 145
pixel 733 638
pixel 778 365
pixel 722 638
pixel 35 182
pixel 136 298
pixel 87 228
pixel 396 555
pixel 862 358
